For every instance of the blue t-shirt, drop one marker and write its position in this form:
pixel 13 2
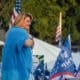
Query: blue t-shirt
pixel 16 57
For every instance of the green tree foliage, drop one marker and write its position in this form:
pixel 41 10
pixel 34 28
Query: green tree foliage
pixel 46 17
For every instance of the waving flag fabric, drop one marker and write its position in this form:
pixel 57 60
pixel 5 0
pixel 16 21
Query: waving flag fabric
pixel 78 73
pixel 64 65
pixel 39 71
pixel 58 31
pixel 16 11
pixel 58 37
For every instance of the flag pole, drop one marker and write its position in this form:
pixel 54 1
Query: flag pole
pixel 60 40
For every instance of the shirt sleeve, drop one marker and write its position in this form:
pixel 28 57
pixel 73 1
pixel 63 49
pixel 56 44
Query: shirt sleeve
pixel 21 38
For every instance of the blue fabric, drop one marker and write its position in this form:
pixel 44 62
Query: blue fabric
pixel 64 62
pixel 16 58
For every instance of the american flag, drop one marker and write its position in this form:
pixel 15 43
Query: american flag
pixel 16 11
pixel 58 31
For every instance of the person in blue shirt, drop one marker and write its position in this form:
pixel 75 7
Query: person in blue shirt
pixel 17 55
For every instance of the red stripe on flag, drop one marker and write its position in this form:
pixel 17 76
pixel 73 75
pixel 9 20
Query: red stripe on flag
pixel 58 33
pixel 60 74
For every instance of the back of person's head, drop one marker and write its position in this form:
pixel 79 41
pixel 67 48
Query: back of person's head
pixel 18 19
